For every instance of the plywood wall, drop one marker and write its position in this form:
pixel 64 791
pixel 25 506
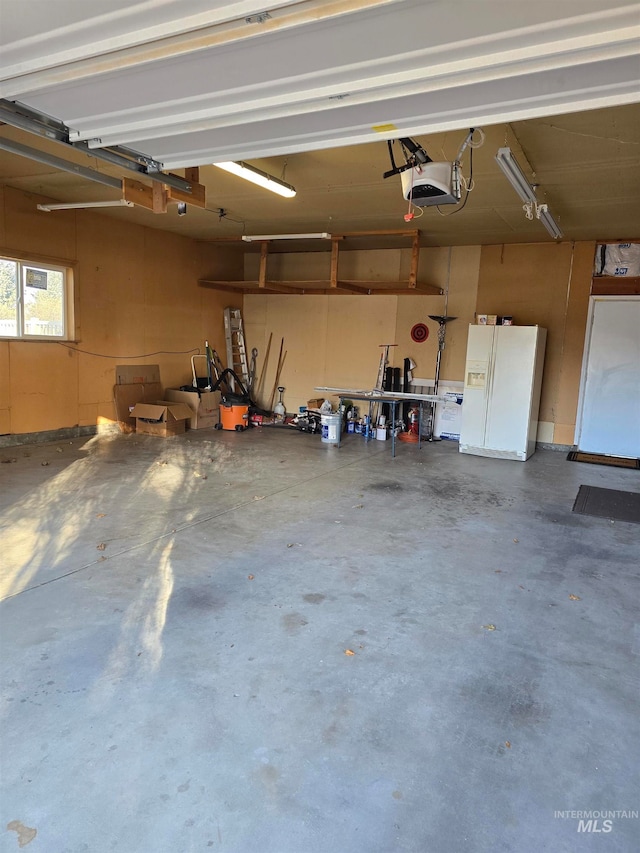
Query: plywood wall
pixel 547 285
pixel 137 301
pixel 335 340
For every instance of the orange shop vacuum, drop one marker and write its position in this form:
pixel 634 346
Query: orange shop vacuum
pixel 234 407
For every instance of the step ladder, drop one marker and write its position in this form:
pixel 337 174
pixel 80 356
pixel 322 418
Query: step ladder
pixel 236 347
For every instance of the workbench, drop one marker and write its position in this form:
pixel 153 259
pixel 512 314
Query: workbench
pixel 393 398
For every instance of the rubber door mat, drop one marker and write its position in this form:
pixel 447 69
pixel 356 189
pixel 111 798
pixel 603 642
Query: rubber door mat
pixel 608 503
pixel 602 459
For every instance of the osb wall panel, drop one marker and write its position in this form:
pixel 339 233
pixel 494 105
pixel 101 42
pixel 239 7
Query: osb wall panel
pixel 137 300
pixel 5 396
pixel 531 283
pixel 373 265
pixel 573 345
pixel 5 418
pixel 2 228
pixel 28 229
pixel 43 386
pixel 302 322
pixel 456 272
pixel 110 300
pixel 357 327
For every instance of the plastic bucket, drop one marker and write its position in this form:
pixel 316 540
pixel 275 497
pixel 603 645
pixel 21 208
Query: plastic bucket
pixel 330 426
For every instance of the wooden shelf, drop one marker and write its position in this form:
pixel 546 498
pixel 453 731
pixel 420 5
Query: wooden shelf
pixel 323 288
pixel 334 284
pixel 612 285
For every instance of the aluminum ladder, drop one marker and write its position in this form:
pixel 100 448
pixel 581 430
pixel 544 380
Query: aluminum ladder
pixel 236 347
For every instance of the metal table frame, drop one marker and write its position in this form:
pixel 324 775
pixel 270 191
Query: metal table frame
pixel 372 397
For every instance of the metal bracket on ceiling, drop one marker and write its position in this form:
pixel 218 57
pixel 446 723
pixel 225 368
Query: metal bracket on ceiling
pixel 24 118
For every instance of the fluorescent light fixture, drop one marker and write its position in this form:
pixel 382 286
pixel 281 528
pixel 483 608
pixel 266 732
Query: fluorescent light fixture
pixel 515 175
pixel 520 183
pixel 548 221
pixel 257 176
pixel 255 238
pixel 80 205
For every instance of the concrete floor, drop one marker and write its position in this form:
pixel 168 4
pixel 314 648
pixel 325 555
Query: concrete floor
pixel 177 631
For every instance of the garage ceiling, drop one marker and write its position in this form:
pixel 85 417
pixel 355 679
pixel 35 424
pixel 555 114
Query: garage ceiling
pixel 310 91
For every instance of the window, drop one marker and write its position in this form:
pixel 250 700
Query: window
pixel 35 300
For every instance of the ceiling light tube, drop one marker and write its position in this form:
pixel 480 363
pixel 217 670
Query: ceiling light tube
pixel 80 205
pixel 518 180
pixel 254 238
pixel 257 176
pixel 550 224
pixel 515 175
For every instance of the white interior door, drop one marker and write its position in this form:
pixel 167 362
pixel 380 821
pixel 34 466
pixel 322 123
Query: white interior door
pixel 610 420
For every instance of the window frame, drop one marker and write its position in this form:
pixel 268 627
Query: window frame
pixel 40 262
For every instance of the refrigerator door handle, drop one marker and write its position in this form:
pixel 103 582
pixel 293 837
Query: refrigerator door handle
pixel 489 387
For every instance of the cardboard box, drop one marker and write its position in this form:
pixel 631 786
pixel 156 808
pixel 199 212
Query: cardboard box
pixel 161 418
pixel 135 383
pixel 449 415
pixel 137 374
pixel 204 407
pixel 492 319
pixel 127 396
pixel 315 404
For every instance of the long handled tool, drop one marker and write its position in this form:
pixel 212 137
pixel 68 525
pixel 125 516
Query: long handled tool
pixel 252 370
pixel 207 350
pixel 263 369
pixel 441 320
pixel 275 384
pixel 384 361
pixel 277 379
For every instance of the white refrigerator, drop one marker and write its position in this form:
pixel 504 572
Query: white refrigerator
pixel 503 378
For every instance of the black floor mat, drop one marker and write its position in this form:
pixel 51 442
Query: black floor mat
pixel 602 459
pixel 608 503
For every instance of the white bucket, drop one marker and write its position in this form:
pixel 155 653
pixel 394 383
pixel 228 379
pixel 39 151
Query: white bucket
pixel 330 426
pixel 381 433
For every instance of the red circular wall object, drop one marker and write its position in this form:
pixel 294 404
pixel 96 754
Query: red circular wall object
pixel 419 333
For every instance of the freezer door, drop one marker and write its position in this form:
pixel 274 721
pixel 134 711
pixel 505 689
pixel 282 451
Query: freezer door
pixel 476 386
